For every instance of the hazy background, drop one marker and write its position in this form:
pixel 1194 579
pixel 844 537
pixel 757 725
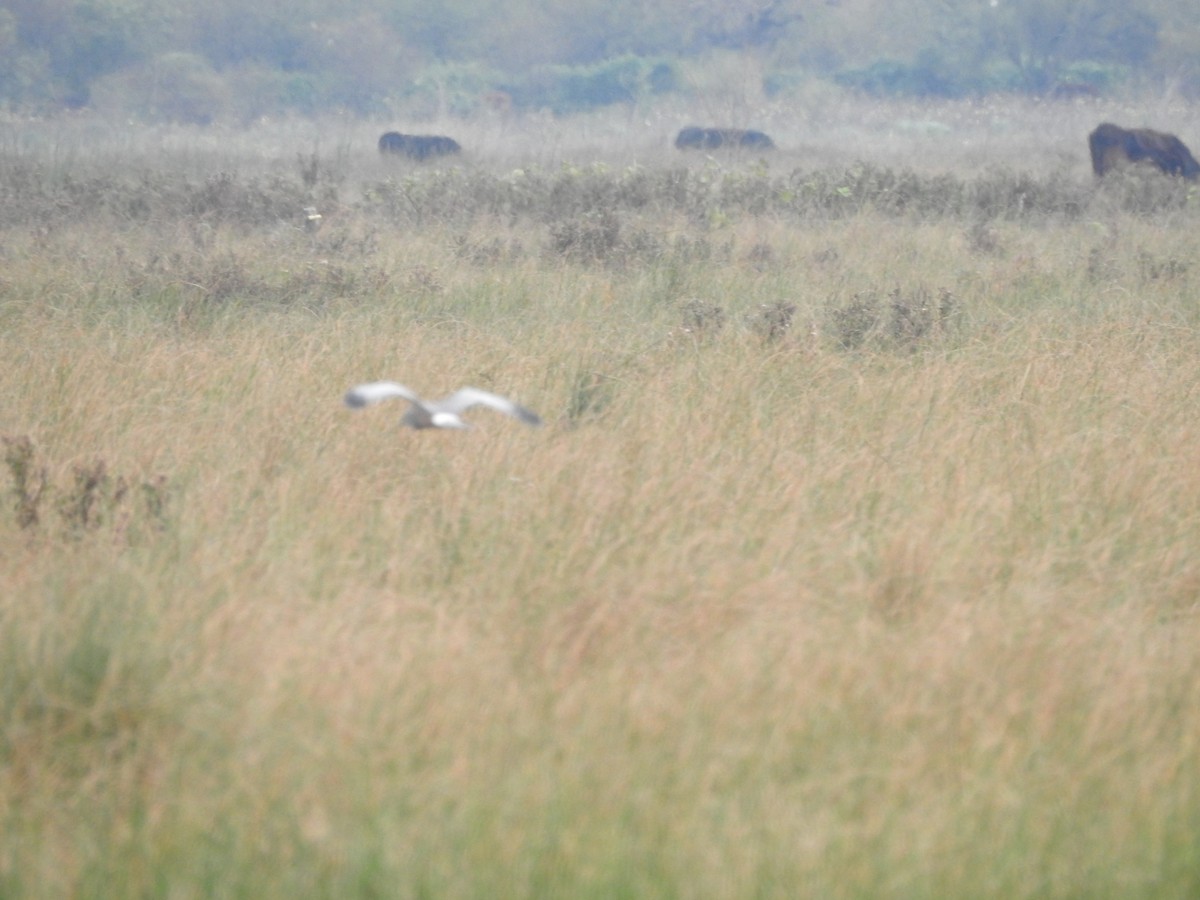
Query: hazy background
pixel 205 61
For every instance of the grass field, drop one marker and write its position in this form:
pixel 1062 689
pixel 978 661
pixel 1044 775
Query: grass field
pixel 859 555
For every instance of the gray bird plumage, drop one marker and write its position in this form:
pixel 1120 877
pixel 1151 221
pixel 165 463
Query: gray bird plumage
pixel 444 413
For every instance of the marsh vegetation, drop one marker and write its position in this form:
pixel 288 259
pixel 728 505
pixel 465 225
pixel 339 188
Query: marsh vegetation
pixel 859 556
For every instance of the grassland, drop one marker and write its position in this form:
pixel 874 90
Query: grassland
pixel 859 556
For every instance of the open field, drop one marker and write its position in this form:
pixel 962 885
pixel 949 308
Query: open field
pixel 819 129
pixel 859 555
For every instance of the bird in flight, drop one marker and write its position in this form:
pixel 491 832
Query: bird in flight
pixel 444 413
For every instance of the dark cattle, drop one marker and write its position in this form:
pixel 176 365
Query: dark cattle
pixel 1112 146
pixel 695 138
pixel 418 146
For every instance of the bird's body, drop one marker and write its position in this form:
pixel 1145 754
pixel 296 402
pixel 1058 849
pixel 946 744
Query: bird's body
pixel 444 413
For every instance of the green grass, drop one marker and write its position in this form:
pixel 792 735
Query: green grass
pixel 900 600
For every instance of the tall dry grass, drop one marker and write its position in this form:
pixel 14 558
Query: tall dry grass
pixel 898 600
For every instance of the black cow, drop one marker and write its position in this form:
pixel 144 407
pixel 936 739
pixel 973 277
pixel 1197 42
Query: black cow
pixel 418 146
pixel 1112 146
pixel 696 138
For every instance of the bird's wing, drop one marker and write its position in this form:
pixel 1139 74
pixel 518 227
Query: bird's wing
pixel 467 397
pixel 366 394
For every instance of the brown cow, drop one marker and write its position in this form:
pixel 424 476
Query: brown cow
pixel 1112 146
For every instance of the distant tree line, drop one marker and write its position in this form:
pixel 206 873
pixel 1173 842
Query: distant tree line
pixel 198 60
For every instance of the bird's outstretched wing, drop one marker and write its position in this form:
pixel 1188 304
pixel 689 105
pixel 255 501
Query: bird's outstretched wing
pixel 366 394
pixel 467 397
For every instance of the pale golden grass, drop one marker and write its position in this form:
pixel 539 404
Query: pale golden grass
pixel 773 619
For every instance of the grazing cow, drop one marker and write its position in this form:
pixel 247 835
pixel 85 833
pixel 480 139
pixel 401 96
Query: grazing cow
pixel 1113 146
pixel 696 138
pixel 418 146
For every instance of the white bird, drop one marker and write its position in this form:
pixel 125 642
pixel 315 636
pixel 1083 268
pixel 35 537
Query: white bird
pixel 444 413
